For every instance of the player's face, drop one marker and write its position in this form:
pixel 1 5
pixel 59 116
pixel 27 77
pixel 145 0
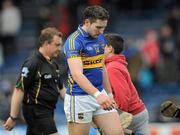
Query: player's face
pixel 96 28
pixel 55 46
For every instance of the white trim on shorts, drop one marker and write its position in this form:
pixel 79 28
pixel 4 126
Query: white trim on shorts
pixel 82 108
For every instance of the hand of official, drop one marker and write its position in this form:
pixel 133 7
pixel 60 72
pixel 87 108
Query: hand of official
pixel 9 124
pixel 105 101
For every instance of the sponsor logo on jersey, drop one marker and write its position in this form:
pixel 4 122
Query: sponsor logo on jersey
pixel 48 76
pixel 93 62
pixel 89 48
pixel 24 71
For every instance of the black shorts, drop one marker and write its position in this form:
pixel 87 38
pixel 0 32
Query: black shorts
pixel 40 120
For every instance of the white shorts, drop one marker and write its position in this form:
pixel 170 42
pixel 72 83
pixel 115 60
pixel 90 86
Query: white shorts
pixel 82 108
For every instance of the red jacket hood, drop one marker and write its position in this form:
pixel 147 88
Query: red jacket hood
pixel 118 58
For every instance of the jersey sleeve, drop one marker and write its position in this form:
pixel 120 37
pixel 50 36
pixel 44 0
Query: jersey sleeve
pixel 72 48
pixel 26 76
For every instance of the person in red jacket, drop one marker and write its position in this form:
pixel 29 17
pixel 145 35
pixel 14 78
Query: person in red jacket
pixel 123 89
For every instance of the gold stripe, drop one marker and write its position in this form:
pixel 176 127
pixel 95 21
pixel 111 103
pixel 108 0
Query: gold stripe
pixel 64 50
pixel 72 108
pixel 71 41
pixel 74 57
pixel 93 62
pixel 73 45
pixel 71 80
pixel 70 44
pixel 38 90
pixel 70 86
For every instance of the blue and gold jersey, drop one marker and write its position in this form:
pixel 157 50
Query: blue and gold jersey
pixel 91 50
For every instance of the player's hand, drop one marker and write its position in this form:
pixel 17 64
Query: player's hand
pixel 105 102
pixel 9 124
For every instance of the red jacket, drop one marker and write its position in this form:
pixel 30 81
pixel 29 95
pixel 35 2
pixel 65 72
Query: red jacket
pixel 125 94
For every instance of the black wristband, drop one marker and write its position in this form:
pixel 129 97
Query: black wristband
pixel 13 118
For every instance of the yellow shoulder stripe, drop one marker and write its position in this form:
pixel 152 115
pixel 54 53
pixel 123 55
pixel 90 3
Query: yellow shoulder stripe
pixel 71 41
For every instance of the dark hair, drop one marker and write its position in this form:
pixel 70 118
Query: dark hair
pixel 95 12
pixel 116 41
pixel 48 34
